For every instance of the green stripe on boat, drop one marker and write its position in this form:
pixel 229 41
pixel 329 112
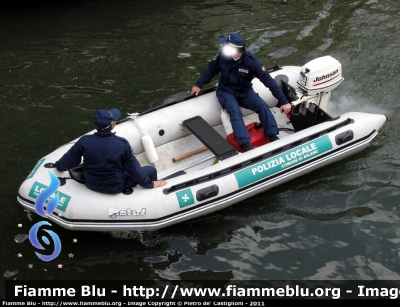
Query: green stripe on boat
pixel 283 161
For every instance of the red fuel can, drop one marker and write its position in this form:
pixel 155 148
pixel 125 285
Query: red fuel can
pixel 257 136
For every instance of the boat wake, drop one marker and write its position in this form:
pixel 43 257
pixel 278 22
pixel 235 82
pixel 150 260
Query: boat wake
pixel 148 239
pixel 346 100
pixel 331 216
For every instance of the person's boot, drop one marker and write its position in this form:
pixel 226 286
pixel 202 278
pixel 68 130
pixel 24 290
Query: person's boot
pixel 247 147
pixel 273 138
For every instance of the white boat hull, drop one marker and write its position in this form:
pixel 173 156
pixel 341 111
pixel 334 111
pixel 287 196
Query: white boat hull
pixel 234 179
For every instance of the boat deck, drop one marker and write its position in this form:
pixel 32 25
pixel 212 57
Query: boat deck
pixel 167 152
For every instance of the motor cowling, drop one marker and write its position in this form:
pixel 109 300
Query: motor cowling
pixel 320 75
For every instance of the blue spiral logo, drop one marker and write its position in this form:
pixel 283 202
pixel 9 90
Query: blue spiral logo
pixel 33 237
pixel 39 208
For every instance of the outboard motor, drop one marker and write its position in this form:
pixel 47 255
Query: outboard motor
pixel 316 81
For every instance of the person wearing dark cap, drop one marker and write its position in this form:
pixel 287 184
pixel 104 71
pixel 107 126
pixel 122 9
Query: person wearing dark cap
pixel 109 163
pixel 238 67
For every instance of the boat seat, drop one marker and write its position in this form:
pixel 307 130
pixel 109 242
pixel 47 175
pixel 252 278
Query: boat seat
pixel 210 137
pixel 76 173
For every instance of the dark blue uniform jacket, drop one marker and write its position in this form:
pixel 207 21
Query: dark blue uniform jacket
pixel 236 76
pixel 106 159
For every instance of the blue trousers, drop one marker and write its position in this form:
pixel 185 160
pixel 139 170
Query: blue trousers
pixel 253 102
pixel 149 170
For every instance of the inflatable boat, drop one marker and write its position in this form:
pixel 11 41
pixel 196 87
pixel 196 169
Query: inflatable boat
pixel 193 147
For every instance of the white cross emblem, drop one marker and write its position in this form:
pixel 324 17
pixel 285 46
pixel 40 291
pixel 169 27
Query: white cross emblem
pixel 185 198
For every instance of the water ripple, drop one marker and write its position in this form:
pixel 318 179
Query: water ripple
pixel 23 65
pixel 284 52
pixel 264 39
pixel 10 274
pixel 19 238
pixel 323 14
pixel 183 55
pixel 92 60
pixel 70 51
pixel 75 95
pixel 80 88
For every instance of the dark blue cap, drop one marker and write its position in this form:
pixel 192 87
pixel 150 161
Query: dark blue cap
pixel 104 118
pixel 233 39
